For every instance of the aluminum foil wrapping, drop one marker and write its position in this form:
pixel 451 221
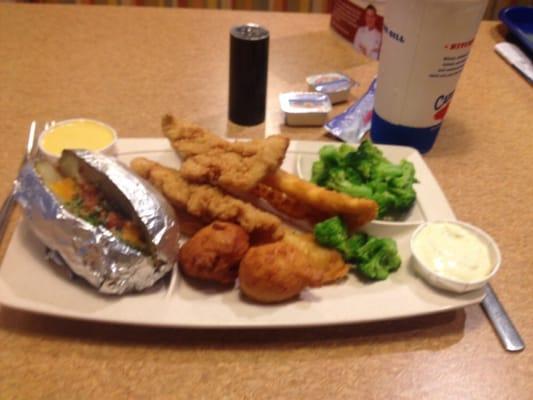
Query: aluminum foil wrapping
pixel 94 252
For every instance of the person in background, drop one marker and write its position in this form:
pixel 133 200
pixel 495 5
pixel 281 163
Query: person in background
pixel 367 39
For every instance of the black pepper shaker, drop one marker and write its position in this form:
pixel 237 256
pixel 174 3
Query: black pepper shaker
pixel 248 74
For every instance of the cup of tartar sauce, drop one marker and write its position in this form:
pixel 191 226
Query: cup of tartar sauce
pixel 454 255
pixel 305 108
pixel 79 133
pixel 336 85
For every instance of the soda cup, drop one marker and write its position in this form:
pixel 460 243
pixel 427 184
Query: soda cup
pixel 425 47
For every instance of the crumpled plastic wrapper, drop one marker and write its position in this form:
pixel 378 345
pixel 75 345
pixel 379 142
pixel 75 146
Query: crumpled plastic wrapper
pixel 93 252
pixel 352 125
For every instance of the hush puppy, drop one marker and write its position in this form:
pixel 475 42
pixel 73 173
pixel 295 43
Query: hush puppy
pixel 214 252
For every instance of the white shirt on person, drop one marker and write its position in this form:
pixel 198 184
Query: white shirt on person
pixel 368 41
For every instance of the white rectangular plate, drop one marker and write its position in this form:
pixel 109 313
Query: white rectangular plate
pixel 28 282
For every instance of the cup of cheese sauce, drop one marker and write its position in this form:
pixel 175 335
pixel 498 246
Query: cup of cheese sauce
pixel 80 133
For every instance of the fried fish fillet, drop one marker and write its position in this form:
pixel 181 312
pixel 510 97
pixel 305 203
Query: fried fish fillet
pixel 207 202
pixel 327 263
pixel 358 211
pixel 210 159
pixel 275 272
pixel 287 205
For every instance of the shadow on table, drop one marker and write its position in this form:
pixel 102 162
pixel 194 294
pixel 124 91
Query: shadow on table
pixel 454 139
pixel 331 52
pixel 408 334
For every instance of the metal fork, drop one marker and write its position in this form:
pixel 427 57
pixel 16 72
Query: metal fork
pixel 9 202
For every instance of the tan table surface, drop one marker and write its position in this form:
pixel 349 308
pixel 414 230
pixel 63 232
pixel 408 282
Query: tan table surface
pixel 128 66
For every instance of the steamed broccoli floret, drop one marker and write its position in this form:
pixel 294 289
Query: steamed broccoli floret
pixel 330 156
pixel 407 176
pixel 403 198
pixel 372 152
pixel 344 150
pixel 351 247
pixel 365 159
pixel 374 257
pixel 377 258
pixel 386 201
pixel 319 173
pixel 331 233
pixel 365 172
pixel 386 172
pixel 343 180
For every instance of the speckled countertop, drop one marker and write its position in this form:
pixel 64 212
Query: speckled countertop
pixel 128 66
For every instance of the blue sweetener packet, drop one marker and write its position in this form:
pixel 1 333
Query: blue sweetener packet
pixel 351 125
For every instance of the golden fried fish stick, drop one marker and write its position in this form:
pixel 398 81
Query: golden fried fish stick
pixel 276 272
pixel 207 202
pixel 328 263
pixel 283 203
pixel 358 210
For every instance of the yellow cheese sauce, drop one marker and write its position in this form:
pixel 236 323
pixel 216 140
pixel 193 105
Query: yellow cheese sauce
pixel 453 252
pixel 82 134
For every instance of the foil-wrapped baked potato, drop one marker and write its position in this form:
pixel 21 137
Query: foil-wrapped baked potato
pixel 109 226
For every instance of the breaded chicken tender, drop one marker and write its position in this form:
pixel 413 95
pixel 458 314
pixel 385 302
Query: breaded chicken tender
pixel 207 158
pixel 275 272
pixel 214 252
pixel 189 139
pixel 207 202
pixel 327 262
